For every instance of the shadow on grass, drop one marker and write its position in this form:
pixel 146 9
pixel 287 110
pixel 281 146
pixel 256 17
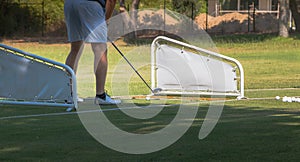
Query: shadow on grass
pixel 246 131
pixel 243 38
pixel 295 35
pixel 252 133
pixel 251 38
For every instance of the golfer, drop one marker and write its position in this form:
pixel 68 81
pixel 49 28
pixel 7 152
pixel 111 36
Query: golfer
pixel 86 23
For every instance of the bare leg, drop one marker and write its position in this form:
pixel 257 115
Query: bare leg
pixel 100 65
pixel 74 55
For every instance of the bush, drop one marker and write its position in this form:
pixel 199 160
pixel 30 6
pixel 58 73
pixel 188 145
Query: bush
pixel 30 17
pixel 189 8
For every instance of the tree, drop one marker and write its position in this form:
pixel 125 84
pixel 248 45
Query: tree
pixel 189 8
pixel 294 5
pixel 134 9
pixel 130 20
pixel 30 17
pixel 17 19
pixel 283 18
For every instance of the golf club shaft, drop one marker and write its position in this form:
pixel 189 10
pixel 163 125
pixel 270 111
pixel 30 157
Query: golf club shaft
pixel 131 65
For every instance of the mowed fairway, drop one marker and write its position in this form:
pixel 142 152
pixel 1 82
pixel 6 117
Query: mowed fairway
pixel 258 129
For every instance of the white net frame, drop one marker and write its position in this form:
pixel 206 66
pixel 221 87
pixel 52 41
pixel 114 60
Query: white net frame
pixel 28 79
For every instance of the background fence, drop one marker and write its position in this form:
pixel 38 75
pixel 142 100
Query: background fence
pixel 45 17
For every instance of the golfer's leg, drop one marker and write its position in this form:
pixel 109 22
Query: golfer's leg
pixel 100 65
pixel 74 55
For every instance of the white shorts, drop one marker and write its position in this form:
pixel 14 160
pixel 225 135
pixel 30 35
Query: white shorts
pixel 85 21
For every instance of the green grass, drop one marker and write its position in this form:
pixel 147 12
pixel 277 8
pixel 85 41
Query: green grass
pixel 248 130
pixel 269 61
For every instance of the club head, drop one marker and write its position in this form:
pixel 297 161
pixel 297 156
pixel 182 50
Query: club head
pixel 156 90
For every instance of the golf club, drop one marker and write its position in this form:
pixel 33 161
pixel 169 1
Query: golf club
pixel 156 90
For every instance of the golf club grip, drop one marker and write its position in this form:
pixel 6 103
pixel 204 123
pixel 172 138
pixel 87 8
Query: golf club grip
pixel 130 65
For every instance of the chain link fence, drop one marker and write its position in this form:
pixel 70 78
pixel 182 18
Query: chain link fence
pixel 211 16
